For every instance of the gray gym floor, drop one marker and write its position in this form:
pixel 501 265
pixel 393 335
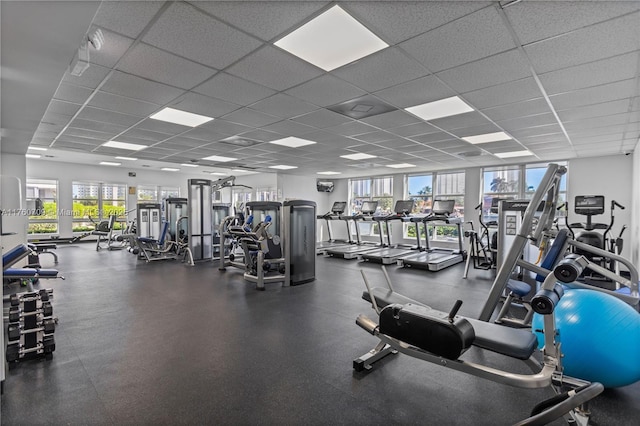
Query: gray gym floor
pixel 165 343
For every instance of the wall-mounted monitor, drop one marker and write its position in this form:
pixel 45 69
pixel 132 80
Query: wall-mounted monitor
pixel 324 186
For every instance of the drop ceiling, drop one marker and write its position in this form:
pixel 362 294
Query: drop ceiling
pixel 561 79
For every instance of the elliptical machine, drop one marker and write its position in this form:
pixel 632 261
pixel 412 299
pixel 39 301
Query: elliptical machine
pixel 589 232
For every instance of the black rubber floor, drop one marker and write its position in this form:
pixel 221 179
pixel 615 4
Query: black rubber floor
pixel 165 343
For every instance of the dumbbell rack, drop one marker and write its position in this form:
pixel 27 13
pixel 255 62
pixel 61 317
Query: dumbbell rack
pixel 31 326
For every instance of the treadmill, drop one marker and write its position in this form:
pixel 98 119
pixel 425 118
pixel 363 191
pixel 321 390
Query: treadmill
pixel 367 212
pixel 436 258
pixel 390 254
pixel 336 212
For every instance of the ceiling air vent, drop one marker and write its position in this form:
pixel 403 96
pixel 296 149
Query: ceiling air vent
pixel 362 107
pixel 240 141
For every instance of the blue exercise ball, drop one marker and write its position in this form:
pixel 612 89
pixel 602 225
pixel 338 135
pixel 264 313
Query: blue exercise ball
pixel 599 336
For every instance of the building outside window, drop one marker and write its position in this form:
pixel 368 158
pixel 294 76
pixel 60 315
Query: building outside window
pixel 378 189
pixel 147 194
pixel 94 202
pixel 169 192
pixel 42 198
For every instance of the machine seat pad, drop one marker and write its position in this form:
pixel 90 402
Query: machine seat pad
pixel 518 288
pixel 147 240
pixel 30 272
pixel 40 247
pixel 15 254
pixel 512 342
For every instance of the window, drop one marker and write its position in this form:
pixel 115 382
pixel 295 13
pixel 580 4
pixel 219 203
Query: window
pixel 501 183
pixel 169 192
pixel 508 182
pixel 420 190
pixel 148 193
pixel 371 189
pixel 450 186
pixel 266 194
pixel 42 199
pixel 93 202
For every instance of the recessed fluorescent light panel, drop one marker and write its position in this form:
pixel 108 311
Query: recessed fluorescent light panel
pixel 109 163
pixel 292 142
pixel 124 145
pixel 37 148
pixel 219 174
pixel 127 158
pixel 331 40
pixel 438 109
pixel 401 165
pixel 184 118
pixel 243 171
pixel 513 154
pixel 358 156
pixel 487 137
pixel 283 167
pixel 32 155
pixel 170 169
pixel 219 158
pixel 329 173
pixel 189 165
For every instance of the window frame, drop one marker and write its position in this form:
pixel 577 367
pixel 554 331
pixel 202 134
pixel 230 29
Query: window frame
pixel 36 219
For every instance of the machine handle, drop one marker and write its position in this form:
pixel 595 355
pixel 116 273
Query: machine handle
pixel 614 203
pixel 478 206
pixel 455 309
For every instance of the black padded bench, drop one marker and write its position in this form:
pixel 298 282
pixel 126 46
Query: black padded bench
pixel 45 248
pixel 507 341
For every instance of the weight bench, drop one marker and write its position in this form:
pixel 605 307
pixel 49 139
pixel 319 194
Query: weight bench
pixel 45 248
pixel 413 328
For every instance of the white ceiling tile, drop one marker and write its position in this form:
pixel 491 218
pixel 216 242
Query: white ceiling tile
pixel 62 108
pixel 56 119
pixel 380 70
pixel 157 65
pixel 289 128
pixel 395 21
pixel 91 77
pixel 225 127
pixel 202 134
pixel 203 105
pixel 595 122
pixel 106 116
pixel 608 70
pixel 605 139
pixel 416 92
pixel 420 128
pixel 181 142
pixel 467 39
pixel 233 89
pixel 114 47
pixel 326 90
pixel 67 137
pixel 135 87
pixel 126 17
pixel 274 68
pixel 146 135
pixel 262 135
pixel 501 68
pixel 262 19
pixel 593 95
pixel 502 94
pixel 391 119
pixel 518 109
pixel 535 21
pixel 251 118
pixel 161 126
pixel 118 103
pixel 187 32
pixel 376 136
pixel 72 93
pixel 283 106
pixel 593 43
pixel 97 126
pixel 597 110
pixel 429 138
pixel 467 119
pixel 536 131
pixel 322 118
pixel 528 121
pixel 619 129
pixel 480 129
pixel 351 128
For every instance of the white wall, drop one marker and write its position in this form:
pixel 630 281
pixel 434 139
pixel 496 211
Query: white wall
pixel 609 176
pixel 633 235
pixel 13 195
